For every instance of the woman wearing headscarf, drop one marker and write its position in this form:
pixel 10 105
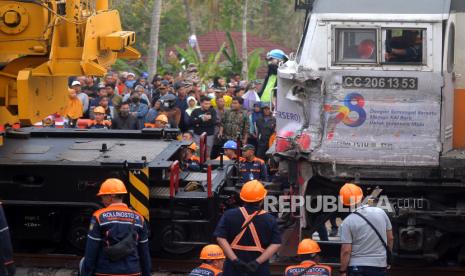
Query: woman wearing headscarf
pixel 191 106
pixel 74 110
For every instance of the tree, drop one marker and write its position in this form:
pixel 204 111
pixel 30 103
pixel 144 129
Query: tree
pixel 192 28
pixel 245 71
pixel 154 32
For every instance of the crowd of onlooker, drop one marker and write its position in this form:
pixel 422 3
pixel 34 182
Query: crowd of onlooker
pixel 220 107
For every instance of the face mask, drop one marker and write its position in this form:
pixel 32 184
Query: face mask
pixel 130 83
pixel 124 113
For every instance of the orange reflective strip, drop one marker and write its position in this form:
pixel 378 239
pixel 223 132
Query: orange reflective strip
pixel 258 246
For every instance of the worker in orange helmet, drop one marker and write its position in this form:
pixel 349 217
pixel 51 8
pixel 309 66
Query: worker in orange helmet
pixel 366 236
pixel 117 242
pixel 308 252
pixel 99 122
pixel 160 122
pixel 248 235
pixel 191 162
pixel 213 259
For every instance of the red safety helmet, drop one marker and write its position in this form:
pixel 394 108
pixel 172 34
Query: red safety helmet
pixel 366 49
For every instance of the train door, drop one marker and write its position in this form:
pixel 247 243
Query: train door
pixel 447 113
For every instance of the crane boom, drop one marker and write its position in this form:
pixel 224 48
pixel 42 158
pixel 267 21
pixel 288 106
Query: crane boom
pixel 42 43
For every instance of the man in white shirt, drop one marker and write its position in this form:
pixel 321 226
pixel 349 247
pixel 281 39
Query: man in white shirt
pixel 362 251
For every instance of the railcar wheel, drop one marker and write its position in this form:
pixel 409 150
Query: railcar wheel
pixel 77 233
pixel 176 233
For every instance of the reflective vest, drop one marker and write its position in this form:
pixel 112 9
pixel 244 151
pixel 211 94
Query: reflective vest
pixel 109 226
pixel 255 169
pixel 316 269
pixel 206 270
pixel 103 124
pixel 236 242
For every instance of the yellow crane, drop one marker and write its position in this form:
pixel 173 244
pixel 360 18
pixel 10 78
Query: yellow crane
pixel 43 42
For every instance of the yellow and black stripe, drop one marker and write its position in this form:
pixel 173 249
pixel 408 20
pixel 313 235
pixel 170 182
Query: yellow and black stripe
pixel 139 191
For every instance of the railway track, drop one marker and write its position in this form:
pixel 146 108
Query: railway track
pixel 184 266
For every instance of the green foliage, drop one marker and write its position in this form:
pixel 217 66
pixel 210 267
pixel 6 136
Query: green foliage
pixel 206 69
pixel 234 61
pixel 254 63
pixel 136 16
pixel 129 66
pixel 265 20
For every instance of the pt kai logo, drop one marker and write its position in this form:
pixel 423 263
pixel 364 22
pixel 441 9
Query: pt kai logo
pixel 351 113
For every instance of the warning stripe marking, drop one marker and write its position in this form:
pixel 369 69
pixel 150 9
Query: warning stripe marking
pixel 140 208
pixel 139 191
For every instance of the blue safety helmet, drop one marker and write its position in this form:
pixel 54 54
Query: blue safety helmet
pixel 277 54
pixel 230 145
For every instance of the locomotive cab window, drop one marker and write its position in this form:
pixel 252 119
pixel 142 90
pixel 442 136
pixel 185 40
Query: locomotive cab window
pixel 356 46
pixel 404 46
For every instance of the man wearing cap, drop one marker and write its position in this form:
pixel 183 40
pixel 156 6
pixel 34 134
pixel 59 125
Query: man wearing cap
pixel 213 259
pixel 252 167
pixel 142 95
pixel 99 121
pixel 191 162
pixel 234 122
pixel 160 122
pixel 76 86
pixel 130 80
pixel 248 235
pixel 7 264
pixel 117 242
pixel 366 236
pixel 220 92
pixel 160 91
pixel 266 125
pixel 308 254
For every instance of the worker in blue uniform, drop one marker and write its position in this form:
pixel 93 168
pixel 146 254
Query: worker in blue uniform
pixel 213 259
pixel 7 265
pixel 248 235
pixel 117 242
pixel 252 167
pixel 308 252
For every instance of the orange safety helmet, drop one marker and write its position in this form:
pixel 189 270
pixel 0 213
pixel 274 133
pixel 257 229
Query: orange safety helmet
pixel 112 186
pixel 253 191
pixel 212 252
pixel 99 109
pixel 350 194
pixel 193 147
pixel 162 118
pixel 308 246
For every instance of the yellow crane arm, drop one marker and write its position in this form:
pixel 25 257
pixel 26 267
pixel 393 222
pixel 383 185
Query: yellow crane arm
pixel 42 43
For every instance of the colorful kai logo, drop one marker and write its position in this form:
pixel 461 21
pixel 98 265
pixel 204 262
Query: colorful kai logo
pixel 351 113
